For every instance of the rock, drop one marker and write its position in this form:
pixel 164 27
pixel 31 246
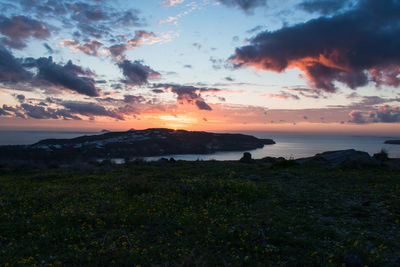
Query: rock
pixel 353 258
pixel 246 158
pixel 172 160
pixel 347 158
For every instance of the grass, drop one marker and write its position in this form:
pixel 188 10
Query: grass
pixel 200 213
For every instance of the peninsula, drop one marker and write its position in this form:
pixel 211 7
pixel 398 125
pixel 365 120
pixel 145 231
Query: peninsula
pixel 133 143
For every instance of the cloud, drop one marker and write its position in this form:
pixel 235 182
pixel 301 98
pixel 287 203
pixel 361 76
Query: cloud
pixel 357 116
pixel 20 98
pixel 100 20
pixel 385 114
pixel 170 3
pixel 324 7
pixel 388 113
pixel 202 105
pixel 353 48
pixel 189 94
pixel 90 48
pixel 245 5
pixel 78 70
pixel 48 48
pixel 3 112
pixel 117 51
pixel 11 69
pixel 18 29
pixel 39 112
pixel 255 29
pixel 134 99
pixel 307 92
pixel 90 109
pixel 141 38
pixel 282 95
pixel 92 19
pixel 136 73
pixel 198 45
pixel 66 76
pixel 192 6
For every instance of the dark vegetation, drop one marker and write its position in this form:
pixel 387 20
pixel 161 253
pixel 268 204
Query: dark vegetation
pixel 259 213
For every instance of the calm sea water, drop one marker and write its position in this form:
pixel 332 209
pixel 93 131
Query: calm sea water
pixel 287 145
pixel 295 146
pixel 31 137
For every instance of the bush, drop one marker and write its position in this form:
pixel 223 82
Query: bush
pixel 382 155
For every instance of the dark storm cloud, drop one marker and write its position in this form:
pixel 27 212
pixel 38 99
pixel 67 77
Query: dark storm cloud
pixel 246 5
pixel 11 69
pixel 90 109
pixel 136 73
pixel 355 47
pixel 324 7
pixel 189 94
pixel 18 29
pixel 65 76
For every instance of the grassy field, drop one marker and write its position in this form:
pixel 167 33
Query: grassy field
pixel 200 213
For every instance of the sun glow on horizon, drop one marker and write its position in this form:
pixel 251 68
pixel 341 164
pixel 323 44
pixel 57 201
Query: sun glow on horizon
pixel 177 121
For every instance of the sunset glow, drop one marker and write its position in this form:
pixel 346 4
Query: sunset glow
pixel 131 64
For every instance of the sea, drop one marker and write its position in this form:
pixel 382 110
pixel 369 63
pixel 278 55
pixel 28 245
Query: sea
pixel 288 145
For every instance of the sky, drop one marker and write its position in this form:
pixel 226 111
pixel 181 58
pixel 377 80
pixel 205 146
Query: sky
pixel 320 66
